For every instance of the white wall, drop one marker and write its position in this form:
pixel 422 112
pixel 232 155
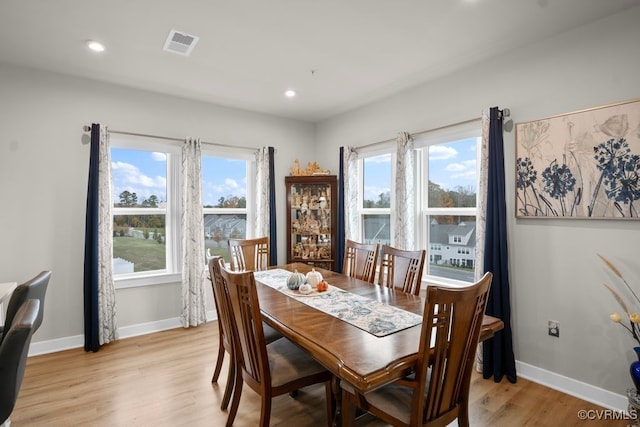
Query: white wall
pixel 44 157
pixel 555 273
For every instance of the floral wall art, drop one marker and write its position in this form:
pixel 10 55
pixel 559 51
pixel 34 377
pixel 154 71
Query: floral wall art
pixel 580 165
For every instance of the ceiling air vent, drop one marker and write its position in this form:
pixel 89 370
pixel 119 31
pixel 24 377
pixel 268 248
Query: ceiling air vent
pixel 179 42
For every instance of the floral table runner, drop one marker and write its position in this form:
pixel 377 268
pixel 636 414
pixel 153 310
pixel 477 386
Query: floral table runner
pixel 365 313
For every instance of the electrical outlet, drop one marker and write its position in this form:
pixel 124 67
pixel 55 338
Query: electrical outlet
pixel 554 328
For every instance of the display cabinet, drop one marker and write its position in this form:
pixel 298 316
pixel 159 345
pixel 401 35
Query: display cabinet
pixel 311 220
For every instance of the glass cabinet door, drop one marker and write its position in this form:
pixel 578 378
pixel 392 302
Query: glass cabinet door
pixel 311 212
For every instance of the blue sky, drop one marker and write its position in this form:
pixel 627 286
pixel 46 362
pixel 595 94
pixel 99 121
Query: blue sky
pixel 450 165
pixel 145 173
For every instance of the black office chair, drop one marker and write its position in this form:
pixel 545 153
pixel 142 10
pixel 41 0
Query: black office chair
pixel 35 288
pixel 13 355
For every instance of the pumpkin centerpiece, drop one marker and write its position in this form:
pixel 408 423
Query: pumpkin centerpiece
pixel 305 289
pixel 295 280
pixel 314 277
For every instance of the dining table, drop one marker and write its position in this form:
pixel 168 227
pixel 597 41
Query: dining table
pixel 364 359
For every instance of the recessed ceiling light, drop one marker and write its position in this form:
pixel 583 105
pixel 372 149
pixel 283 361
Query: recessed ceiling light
pixel 95 46
pixel 290 93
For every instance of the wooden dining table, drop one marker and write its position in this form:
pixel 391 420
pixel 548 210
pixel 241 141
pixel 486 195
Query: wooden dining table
pixel 352 354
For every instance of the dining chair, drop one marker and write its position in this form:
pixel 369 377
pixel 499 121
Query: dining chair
pixel 35 288
pixel 438 391
pixel 222 306
pixel 269 369
pixel 249 254
pixel 360 260
pixel 400 269
pixel 13 355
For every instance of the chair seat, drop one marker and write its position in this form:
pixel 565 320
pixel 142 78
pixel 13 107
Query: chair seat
pixel 288 362
pixel 392 399
pixel 270 334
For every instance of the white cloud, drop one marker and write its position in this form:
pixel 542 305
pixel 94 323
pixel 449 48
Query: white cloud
pixel 441 152
pixel 158 157
pixel 466 169
pixel 231 183
pixel 128 177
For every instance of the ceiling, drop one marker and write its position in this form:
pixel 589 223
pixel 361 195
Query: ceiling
pixel 337 54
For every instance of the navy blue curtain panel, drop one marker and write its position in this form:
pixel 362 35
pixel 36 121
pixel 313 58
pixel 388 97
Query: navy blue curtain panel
pixel 91 340
pixel 341 219
pixel 498 358
pixel 273 241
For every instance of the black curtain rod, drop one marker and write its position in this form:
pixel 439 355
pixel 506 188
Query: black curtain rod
pixel 87 128
pixel 505 112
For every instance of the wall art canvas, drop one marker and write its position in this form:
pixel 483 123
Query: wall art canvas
pixel 584 164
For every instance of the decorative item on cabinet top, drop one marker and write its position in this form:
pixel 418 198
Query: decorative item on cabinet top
pixel 312 169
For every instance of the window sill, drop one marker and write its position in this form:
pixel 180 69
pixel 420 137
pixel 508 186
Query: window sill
pixel 441 281
pixel 150 280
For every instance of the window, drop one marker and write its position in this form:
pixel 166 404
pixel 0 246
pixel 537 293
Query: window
pixel 449 163
pixel 225 199
pixel 375 208
pixel 145 225
pixel 146 206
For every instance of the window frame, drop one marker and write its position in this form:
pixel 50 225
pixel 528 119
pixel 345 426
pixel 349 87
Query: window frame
pixel 173 237
pixel 422 141
pixel 251 168
pixel 362 211
pixel 172 272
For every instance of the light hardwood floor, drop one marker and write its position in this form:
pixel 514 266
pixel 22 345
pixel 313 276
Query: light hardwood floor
pixel 164 379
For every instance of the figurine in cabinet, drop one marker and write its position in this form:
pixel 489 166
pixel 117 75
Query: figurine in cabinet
pixel 297 199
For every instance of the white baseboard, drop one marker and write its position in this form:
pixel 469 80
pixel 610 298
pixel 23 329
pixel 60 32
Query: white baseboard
pixel 549 379
pixel 77 341
pixel 584 391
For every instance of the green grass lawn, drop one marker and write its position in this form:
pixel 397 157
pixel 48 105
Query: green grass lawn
pixel 144 254
pixel 147 255
pixel 216 250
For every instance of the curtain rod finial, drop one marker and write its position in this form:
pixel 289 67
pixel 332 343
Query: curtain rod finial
pixel 86 128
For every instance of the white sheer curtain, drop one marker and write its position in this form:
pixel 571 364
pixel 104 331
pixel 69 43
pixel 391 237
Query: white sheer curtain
pixel 261 227
pixel 481 216
pixel 404 224
pixel 107 322
pixel 193 260
pixel 350 169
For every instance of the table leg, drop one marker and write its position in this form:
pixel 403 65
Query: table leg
pixel 337 393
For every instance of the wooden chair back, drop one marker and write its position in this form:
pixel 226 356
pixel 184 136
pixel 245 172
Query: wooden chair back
pixel 438 391
pixel 360 260
pixel 452 319
pixel 221 301
pixel 249 254
pixel 246 320
pixel 401 269
pixel 292 367
pixel 225 331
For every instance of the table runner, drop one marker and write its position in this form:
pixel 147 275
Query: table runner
pixel 370 315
